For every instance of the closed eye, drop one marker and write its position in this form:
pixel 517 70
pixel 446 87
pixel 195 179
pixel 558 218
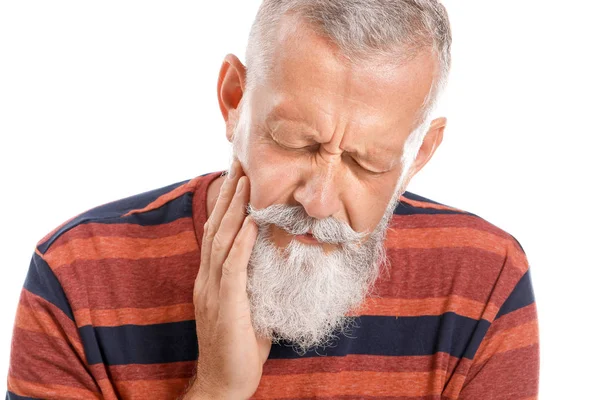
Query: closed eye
pixel 305 148
pixel 316 146
pixel 368 171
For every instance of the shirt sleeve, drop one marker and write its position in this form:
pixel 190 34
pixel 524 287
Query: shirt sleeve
pixel 506 364
pixel 47 358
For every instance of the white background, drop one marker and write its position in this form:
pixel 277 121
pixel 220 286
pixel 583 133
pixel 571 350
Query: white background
pixel 102 100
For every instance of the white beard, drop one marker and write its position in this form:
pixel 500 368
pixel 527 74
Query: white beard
pixel 300 293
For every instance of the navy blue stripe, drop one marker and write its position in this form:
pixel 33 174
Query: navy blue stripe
pixel 521 296
pixel 12 396
pixel 416 197
pixel 112 211
pixel 404 208
pixel 179 207
pixel 375 335
pixel 140 344
pixel 42 282
pixel 402 336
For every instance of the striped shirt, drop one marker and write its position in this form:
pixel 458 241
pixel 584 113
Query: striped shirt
pixel 106 310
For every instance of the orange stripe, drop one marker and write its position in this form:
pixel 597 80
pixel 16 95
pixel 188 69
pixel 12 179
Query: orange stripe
pixel 347 383
pixel 423 204
pixel 45 391
pixel 135 316
pixel 35 321
pixel 99 247
pixel 371 306
pixel 428 306
pixel 165 198
pixel 455 385
pixel 159 389
pixel 107 388
pixel 425 238
pixel 510 339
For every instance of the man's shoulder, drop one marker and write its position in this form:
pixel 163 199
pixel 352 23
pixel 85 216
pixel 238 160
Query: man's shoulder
pixel 443 250
pixel 456 243
pixel 154 207
pixel 441 222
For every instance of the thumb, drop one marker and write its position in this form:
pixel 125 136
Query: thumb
pixel 264 348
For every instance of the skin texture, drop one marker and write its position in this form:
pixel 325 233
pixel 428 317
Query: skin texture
pixel 355 120
pixel 319 133
pixel 231 355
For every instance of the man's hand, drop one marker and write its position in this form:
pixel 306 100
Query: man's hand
pixel 231 356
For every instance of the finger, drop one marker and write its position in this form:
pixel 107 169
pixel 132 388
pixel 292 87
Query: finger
pixel 212 225
pixel 234 275
pixel 228 230
pixel 264 348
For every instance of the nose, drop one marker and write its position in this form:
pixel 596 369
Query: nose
pixel 320 192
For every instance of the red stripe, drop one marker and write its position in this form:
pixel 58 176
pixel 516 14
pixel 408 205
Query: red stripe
pixel 46 360
pixel 354 362
pixel 130 372
pixel 422 273
pixel 107 284
pixel 355 383
pixel 428 275
pixel 515 372
pixel 199 204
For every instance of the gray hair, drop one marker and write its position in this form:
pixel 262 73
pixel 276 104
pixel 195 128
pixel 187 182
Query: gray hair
pixel 395 30
pixel 392 30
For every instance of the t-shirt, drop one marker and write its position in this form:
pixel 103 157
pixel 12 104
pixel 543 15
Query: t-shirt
pixel 106 310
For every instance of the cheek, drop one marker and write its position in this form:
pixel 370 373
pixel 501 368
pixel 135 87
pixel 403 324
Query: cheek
pixel 273 176
pixel 366 204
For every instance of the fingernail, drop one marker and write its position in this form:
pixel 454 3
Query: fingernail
pixel 240 186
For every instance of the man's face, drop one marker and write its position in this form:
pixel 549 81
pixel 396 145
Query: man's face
pixel 321 143
pixel 328 136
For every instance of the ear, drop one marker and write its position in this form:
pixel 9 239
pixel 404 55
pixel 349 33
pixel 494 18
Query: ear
pixel 230 89
pixel 433 138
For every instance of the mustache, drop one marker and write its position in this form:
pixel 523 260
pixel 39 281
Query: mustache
pixel 295 221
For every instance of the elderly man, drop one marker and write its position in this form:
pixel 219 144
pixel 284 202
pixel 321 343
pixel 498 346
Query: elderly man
pixel 307 271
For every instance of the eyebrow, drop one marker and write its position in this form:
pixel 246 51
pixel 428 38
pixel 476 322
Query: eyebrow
pixel 279 115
